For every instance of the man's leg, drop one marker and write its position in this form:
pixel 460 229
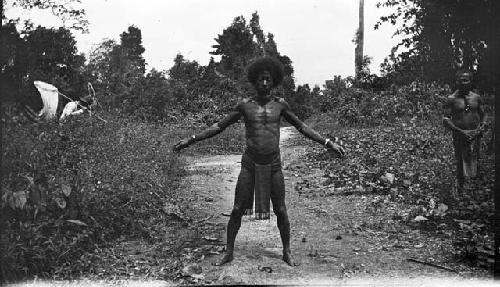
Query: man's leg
pixel 233 226
pixel 477 154
pixel 279 208
pixel 243 195
pixel 457 144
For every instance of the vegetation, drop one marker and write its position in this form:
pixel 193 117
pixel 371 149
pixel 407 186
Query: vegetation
pixel 70 189
pixel 440 37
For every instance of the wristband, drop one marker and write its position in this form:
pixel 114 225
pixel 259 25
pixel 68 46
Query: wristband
pixel 193 137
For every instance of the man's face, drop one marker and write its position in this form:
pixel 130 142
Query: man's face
pixel 264 84
pixel 463 82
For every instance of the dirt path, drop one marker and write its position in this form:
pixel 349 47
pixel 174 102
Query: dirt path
pixel 335 237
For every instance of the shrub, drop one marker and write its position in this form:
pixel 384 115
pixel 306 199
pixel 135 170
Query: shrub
pixel 68 187
pixel 357 107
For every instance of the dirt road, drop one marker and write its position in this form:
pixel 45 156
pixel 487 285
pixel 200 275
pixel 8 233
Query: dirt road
pixel 335 236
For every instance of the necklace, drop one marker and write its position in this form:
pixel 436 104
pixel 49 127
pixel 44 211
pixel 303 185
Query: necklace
pixel 467 105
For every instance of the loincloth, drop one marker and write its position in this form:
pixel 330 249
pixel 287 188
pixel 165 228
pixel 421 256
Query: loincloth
pixel 467 154
pixel 254 183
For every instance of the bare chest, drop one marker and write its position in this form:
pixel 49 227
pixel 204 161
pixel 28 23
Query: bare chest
pixel 263 114
pixel 465 104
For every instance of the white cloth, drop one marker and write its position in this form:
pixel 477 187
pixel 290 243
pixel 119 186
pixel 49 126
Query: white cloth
pixel 71 109
pixel 50 98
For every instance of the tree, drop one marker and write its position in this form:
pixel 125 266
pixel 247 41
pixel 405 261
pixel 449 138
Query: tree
pixel 442 36
pixel 52 56
pixel 359 40
pixel 155 102
pixel 258 34
pixel 73 18
pixel 127 67
pixel 48 55
pixel 119 69
pixel 99 64
pixel 184 70
pixel 236 47
pixel 40 53
pixel 131 47
pixel 11 54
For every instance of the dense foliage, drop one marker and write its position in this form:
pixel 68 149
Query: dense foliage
pixel 441 36
pixel 44 54
pixel 66 188
pixel 68 11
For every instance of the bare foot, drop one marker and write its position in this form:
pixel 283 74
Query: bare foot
pixel 228 257
pixel 287 257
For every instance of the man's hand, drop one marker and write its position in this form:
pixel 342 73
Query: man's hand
pixel 336 147
pixel 481 129
pixel 182 144
pixel 469 134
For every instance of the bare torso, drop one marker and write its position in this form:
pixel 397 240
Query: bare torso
pixel 465 110
pixel 262 124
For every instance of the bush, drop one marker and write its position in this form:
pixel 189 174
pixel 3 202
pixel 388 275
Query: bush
pixel 68 188
pixel 357 107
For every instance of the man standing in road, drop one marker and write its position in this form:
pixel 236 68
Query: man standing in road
pixel 261 163
pixel 464 116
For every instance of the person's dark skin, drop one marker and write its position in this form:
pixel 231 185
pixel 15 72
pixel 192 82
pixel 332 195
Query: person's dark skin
pixel 463 113
pixel 262 115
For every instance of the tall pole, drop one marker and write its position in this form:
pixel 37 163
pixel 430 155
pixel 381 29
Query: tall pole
pixel 358 52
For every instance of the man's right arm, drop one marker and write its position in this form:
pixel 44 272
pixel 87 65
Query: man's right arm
pixel 217 128
pixel 447 122
pixel 213 130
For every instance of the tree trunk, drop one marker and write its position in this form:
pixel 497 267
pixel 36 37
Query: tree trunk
pixel 358 52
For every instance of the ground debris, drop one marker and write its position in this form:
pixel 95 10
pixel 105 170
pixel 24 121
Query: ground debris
pixel 174 210
pixel 433 265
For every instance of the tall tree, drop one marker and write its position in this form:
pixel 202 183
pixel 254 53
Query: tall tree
pixel 127 63
pixel 360 34
pixel 236 47
pixel 131 46
pixel 258 34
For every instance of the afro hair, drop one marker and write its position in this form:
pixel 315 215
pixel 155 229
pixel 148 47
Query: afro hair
pixel 270 64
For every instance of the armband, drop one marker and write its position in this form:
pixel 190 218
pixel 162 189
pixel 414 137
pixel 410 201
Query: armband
pixel 327 141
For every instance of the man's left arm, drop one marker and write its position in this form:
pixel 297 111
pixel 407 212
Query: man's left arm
pixel 309 132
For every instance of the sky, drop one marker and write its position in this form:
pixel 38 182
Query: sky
pixel 315 34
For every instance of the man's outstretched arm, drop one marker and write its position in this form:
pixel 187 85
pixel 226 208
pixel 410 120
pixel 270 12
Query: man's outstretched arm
pixel 213 130
pixel 309 132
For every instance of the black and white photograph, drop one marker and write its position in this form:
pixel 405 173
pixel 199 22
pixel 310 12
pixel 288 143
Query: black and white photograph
pixel 249 142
